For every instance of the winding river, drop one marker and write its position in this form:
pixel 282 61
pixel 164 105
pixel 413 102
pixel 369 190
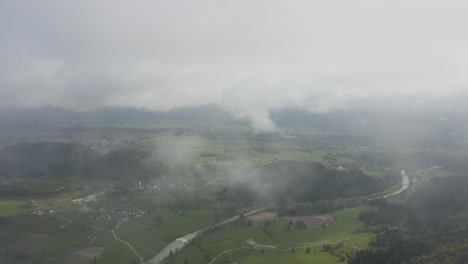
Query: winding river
pixel 404 185
pixel 182 241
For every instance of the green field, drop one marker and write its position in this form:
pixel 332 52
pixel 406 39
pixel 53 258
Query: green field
pixel 114 251
pixel 278 242
pixel 44 237
pixel 147 236
pixel 12 208
pixel 272 256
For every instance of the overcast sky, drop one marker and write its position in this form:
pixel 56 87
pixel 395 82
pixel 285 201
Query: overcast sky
pixel 246 56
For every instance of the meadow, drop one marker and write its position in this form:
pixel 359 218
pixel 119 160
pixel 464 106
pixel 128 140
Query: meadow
pixel 231 243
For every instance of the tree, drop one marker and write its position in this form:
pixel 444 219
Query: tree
pixel 300 225
pixel 326 247
pixel 159 220
pixel 241 216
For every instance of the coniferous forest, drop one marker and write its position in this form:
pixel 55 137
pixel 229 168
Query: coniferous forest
pixel 432 227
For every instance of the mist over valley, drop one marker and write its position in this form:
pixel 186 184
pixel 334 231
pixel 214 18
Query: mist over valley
pixel 209 132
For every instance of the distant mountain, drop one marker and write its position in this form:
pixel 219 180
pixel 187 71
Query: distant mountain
pixel 416 128
pixel 54 115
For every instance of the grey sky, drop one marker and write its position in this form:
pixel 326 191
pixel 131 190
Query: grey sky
pixel 247 56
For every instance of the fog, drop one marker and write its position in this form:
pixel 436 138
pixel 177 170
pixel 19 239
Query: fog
pixel 268 126
pixel 177 149
pixel 397 69
pixel 246 56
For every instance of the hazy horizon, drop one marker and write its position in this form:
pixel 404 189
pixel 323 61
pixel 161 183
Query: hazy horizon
pixel 246 57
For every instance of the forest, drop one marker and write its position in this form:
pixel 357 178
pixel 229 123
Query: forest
pixel 45 159
pixel 292 181
pixel 431 227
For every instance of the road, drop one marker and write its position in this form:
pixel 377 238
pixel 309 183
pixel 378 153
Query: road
pixel 126 243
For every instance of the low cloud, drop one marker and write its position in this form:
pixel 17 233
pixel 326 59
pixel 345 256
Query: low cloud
pixel 247 56
pixel 178 150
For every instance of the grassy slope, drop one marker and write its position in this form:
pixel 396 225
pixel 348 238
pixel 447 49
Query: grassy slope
pixel 115 252
pixel 146 236
pixel 232 238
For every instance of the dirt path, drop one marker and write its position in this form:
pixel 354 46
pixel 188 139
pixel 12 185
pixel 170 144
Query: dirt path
pixel 38 208
pixel 270 247
pixel 69 221
pixel 97 227
pixel 64 252
pixel 178 244
pixel 305 245
pixel 125 242
pixel 86 187
pixel 227 251
pixel 217 179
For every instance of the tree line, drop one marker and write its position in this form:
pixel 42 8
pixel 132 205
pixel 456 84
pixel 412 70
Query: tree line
pixel 433 226
pixel 44 159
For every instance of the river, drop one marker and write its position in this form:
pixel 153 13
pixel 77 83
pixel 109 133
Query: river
pixel 404 185
pixel 179 243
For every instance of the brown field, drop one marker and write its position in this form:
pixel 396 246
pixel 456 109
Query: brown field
pixel 262 216
pixel 89 252
pixel 314 221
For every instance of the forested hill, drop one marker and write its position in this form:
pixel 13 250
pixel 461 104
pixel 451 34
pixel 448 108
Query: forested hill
pixel 45 159
pixel 434 227
pixel 302 181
